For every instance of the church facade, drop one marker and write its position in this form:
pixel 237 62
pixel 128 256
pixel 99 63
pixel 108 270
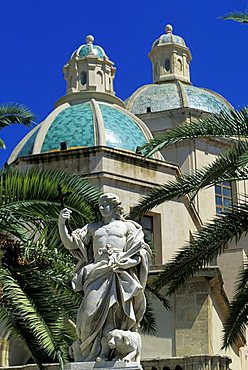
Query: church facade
pixel 94 134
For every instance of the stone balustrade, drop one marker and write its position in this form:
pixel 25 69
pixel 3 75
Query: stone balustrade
pixel 202 362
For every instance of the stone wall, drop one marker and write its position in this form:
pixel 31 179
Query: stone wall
pixel 192 318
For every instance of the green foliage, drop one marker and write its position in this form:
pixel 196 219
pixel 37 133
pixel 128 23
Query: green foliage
pixel 237 17
pixel 226 124
pixel 229 166
pixel 148 323
pixel 37 302
pixel 235 324
pixel 206 245
pixel 14 113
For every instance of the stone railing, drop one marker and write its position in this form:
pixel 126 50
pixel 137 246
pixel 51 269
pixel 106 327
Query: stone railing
pixel 173 363
pixel 203 362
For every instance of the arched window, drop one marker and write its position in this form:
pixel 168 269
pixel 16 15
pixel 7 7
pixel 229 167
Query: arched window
pixel 100 77
pixel 167 65
pixel 179 65
pixel 83 78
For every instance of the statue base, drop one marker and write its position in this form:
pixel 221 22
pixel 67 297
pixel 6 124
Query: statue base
pixel 103 365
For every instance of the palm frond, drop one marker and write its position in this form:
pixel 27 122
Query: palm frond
pixel 17 331
pixel 34 194
pixel 235 325
pixel 242 279
pixel 226 167
pixel 159 295
pixel 226 124
pixel 236 322
pixel 28 318
pixel 206 245
pixel 15 113
pixel 38 183
pixel 148 323
pixel 237 17
pixel 2 145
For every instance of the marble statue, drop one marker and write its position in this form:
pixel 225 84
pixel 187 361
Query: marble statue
pixel 112 270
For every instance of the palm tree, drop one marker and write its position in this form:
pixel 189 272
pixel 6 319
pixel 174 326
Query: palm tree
pixel 231 165
pixel 36 301
pixel 14 113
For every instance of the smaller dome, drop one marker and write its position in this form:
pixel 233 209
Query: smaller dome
pixel 169 38
pixel 89 49
pixel 175 95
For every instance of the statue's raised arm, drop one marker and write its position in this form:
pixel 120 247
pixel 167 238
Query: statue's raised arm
pixel 76 242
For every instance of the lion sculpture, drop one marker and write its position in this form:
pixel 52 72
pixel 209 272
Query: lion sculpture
pixel 127 345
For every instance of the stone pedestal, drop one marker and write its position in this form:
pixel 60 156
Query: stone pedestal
pixel 103 365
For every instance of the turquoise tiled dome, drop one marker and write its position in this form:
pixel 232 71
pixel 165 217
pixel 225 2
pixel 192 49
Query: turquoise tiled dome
pixel 89 49
pixel 175 95
pixel 85 50
pixel 81 125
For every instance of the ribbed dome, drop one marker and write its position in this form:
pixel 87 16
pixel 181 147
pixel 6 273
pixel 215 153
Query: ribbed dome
pixel 175 95
pixel 85 125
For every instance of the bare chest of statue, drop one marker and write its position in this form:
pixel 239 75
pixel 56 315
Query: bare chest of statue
pixel 109 237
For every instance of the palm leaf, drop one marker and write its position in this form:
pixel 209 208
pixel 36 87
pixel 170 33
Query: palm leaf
pixel 226 124
pixel 15 113
pixel 148 323
pixel 236 322
pixel 2 145
pixel 7 318
pixel 38 183
pixel 237 17
pixel 206 245
pixel 27 316
pixel 159 295
pixel 226 167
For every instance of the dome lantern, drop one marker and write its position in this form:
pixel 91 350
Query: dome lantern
pixel 89 69
pixel 170 58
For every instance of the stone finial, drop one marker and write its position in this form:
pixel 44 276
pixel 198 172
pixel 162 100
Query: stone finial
pixel 168 28
pixel 89 39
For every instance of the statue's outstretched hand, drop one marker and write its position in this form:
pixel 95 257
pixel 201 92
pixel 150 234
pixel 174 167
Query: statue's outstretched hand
pixel 65 214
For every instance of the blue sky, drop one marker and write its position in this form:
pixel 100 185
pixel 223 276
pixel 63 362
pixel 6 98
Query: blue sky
pixel 38 37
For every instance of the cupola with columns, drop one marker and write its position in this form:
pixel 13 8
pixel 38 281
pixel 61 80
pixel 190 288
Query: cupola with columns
pixel 170 58
pixel 89 69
